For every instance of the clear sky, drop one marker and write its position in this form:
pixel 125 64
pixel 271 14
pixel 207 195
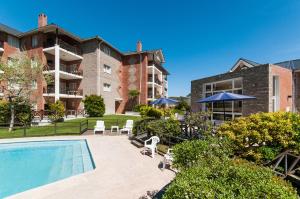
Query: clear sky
pixel 199 38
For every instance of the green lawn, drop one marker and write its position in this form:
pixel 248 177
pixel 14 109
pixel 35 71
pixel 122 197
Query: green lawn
pixel 71 127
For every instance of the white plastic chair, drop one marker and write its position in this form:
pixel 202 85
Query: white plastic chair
pixel 151 144
pixel 99 126
pixel 128 127
pixel 168 158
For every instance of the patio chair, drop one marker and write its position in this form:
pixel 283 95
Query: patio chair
pixel 128 127
pixel 99 126
pixel 168 158
pixel 151 144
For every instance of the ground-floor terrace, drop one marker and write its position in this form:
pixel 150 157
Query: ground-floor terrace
pixel 121 171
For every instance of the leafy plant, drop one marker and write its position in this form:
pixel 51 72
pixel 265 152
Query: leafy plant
pixel 236 179
pixel 201 152
pixel 149 111
pixel 164 127
pixel 4 111
pixel 57 111
pixel 200 120
pixel 279 130
pixel 94 105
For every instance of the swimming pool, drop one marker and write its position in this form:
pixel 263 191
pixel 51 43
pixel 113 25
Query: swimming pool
pixel 26 165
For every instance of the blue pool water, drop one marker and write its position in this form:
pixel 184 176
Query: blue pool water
pixel 26 165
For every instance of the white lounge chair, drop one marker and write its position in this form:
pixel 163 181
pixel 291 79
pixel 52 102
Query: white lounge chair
pixel 168 158
pixel 128 127
pixel 99 126
pixel 151 144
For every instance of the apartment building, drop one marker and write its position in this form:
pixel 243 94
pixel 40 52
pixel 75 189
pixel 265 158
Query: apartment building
pixel 85 66
pixel 276 87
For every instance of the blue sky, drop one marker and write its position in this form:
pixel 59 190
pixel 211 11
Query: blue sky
pixel 199 38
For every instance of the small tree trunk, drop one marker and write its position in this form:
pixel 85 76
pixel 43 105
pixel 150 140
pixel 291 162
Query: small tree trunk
pixel 12 118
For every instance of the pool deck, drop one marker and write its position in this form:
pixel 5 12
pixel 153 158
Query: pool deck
pixel 122 172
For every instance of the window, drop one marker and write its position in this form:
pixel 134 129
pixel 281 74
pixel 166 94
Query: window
pixel 232 109
pixel 275 94
pixel 13 41
pixel 34 106
pixel 34 63
pixel 106 50
pixel 10 62
pixel 107 87
pixel 34 84
pixel 107 69
pixel 34 41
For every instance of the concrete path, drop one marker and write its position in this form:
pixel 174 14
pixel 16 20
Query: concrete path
pixel 122 172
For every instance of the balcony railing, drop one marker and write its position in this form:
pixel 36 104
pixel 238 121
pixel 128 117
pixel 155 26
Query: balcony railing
pixel 156 96
pixel 156 79
pixel 71 91
pixel 64 45
pixel 51 90
pixel 65 69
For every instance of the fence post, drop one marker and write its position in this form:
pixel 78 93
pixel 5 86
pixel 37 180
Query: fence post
pixel 87 124
pixel 80 127
pixel 24 128
pixel 54 128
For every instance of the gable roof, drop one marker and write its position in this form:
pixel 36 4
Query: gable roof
pixel 9 30
pixel 248 63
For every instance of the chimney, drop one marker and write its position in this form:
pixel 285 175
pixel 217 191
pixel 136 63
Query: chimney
pixel 42 20
pixel 139 46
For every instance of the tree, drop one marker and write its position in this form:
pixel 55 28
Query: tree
pixel 19 74
pixel 57 111
pixel 94 105
pixel 133 94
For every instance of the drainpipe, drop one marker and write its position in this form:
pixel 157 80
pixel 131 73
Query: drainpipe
pixel 98 82
pixel 141 72
pixel 293 91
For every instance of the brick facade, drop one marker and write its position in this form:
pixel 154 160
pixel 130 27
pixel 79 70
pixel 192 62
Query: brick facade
pixel 129 71
pixel 257 81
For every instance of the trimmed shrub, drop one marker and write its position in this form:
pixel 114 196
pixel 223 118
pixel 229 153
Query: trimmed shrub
pixel 201 152
pixel 163 128
pixel 137 108
pixel 57 111
pixel 94 105
pixel 149 111
pixel 274 132
pixel 23 112
pixel 229 179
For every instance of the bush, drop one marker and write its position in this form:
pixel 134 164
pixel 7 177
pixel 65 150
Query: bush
pixel 229 179
pixel 94 105
pixel 205 152
pixel 137 108
pixel 4 111
pixel 274 132
pixel 57 111
pixel 149 111
pixel 183 106
pixel 23 112
pixel 140 126
pixel 201 120
pixel 164 128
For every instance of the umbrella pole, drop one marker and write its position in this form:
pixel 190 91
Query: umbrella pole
pixel 224 109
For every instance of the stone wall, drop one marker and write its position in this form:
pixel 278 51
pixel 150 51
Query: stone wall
pixel 255 83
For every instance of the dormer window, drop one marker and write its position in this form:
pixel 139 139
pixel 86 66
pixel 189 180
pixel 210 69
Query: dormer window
pixel 107 69
pixel 34 41
pixel 13 41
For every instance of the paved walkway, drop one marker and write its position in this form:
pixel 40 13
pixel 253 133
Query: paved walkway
pixel 122 172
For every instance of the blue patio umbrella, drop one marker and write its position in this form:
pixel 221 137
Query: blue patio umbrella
pixel 223 97
pixel 164 101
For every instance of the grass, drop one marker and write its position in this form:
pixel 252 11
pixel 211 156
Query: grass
pixel 70 127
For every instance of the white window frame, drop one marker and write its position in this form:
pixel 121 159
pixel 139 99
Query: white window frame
pixel 107 87
pixel 107 69
pixel 276 97
pixel 34 84
pixel 226 90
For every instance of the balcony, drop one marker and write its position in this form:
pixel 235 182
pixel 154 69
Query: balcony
pixel 156 80
pixel 1 46
pixel 64 92
pixel 67 52
pixel 65 72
